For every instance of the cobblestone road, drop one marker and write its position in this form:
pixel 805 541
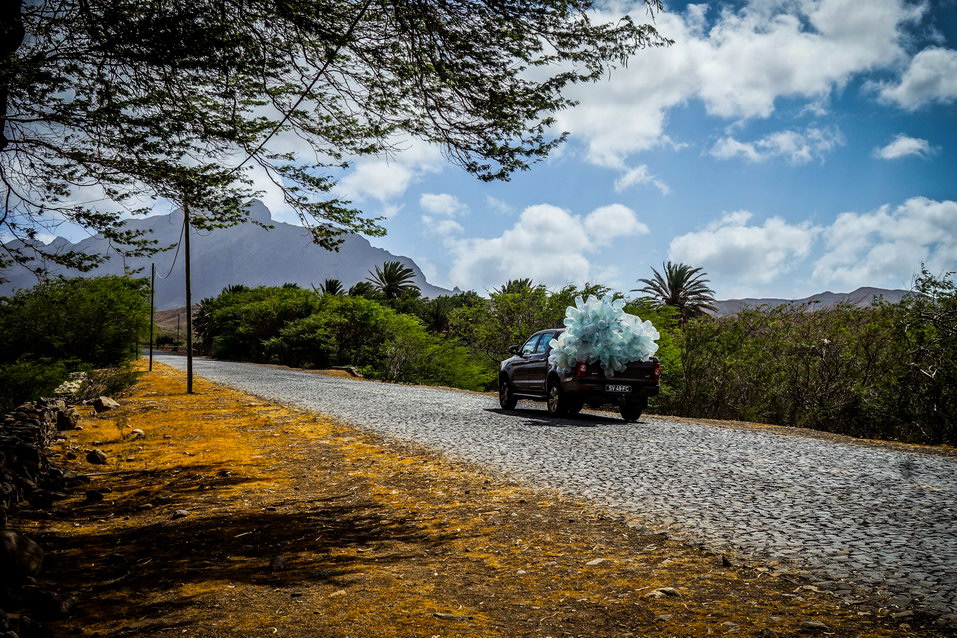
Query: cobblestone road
pixel 880 518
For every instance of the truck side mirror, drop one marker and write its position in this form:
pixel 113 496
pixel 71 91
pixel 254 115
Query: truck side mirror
pixel 513 349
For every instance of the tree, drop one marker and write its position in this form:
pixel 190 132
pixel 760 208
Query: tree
pixel 364 289
pixel 332 287
pixel 393 280
pixel 683 287
pixel 121 102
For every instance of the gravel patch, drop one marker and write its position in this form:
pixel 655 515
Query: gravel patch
pixel 881 519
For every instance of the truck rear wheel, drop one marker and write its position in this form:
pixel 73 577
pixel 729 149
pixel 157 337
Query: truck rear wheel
pixel 630 413
pixel 506 396
pixel 557 404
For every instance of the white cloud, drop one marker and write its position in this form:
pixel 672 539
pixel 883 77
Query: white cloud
pixel 739 68
pixel 546 243
pixel 931 77
pixel 639 175
pixel 793 146
pixel 607 223
pixel 902 146
pixel 499 206
pixel 885 247
pixel 739 257
pixel 442 204
pixel 443 227
pixel 386 178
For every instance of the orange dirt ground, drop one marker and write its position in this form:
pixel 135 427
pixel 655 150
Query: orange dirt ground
pixel 301 526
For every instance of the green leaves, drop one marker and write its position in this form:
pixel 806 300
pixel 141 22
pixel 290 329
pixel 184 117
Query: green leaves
pixel 682 287
pixel 109 104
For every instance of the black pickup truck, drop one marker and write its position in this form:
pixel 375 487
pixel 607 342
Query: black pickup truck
pixel 528 375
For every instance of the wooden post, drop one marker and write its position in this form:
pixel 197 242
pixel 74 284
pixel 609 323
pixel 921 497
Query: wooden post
pixel 152 298
pixel 189 306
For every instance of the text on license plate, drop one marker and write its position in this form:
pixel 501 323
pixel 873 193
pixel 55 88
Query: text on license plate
pixel 617 388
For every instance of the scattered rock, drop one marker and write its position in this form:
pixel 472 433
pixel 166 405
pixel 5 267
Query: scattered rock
pixel 179 514
pixel 96 457
pixel 902 614
pixel 452 617
pixel 814 626
pixel 341 592
pixel 664 617
pixel 20 558
pixel 661 592
pixel 67 419
pixel 136 434
pixel 104 404
pixel 278 563
pixel 596 561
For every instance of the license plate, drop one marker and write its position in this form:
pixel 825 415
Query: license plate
pixel 617 388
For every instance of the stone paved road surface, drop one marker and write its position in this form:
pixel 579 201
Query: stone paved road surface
pixel 880 518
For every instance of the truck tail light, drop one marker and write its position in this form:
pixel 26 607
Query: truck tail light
pixel 581 369
pixel 657 371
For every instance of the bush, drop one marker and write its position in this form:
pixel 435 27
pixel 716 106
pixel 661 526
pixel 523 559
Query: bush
pixel 96 320
pixel 27 380
pixel 298 328
pixel 66 325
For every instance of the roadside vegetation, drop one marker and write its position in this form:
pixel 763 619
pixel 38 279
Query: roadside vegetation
pixel 71 325
pixel 886 371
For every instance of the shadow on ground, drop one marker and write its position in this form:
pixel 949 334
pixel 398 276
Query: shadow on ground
pixel 541 418
pixel 289 540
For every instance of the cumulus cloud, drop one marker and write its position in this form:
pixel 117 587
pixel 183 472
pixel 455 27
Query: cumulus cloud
pixel 793 146
pixel 639 175
pixel 499 206
pixel 744 256
pixel 442 204
pixel 885 247
pixel 442 227
pixel 739 67
pixel 931 77
pixel 387 178
pixel 547 243
pixel 902 146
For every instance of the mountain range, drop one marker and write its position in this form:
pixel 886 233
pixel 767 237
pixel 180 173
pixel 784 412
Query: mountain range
pixel 860 297
pixel 243 254
pixel 248 254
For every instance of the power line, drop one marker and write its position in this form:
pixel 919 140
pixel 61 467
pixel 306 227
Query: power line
pixel 179 242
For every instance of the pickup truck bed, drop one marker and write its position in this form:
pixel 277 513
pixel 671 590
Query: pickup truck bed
pixel 528 375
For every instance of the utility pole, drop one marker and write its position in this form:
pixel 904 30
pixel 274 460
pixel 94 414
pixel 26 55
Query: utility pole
pixel 189 306
pixel 152 297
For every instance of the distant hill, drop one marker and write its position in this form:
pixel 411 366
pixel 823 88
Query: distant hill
pixel 860 297
pixel 244 254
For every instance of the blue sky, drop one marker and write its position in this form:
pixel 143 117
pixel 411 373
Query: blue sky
pixel 786 147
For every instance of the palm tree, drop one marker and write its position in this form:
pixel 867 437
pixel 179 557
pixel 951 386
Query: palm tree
pixel 393 279
pixel 332 287
pixel 363 289
pixel 514 286
pixel 683 287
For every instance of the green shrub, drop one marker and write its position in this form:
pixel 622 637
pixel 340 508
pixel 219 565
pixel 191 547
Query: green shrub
pixel 65 325
pixel 27 380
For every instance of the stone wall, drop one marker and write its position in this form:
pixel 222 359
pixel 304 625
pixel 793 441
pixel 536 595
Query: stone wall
pixel 28 478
